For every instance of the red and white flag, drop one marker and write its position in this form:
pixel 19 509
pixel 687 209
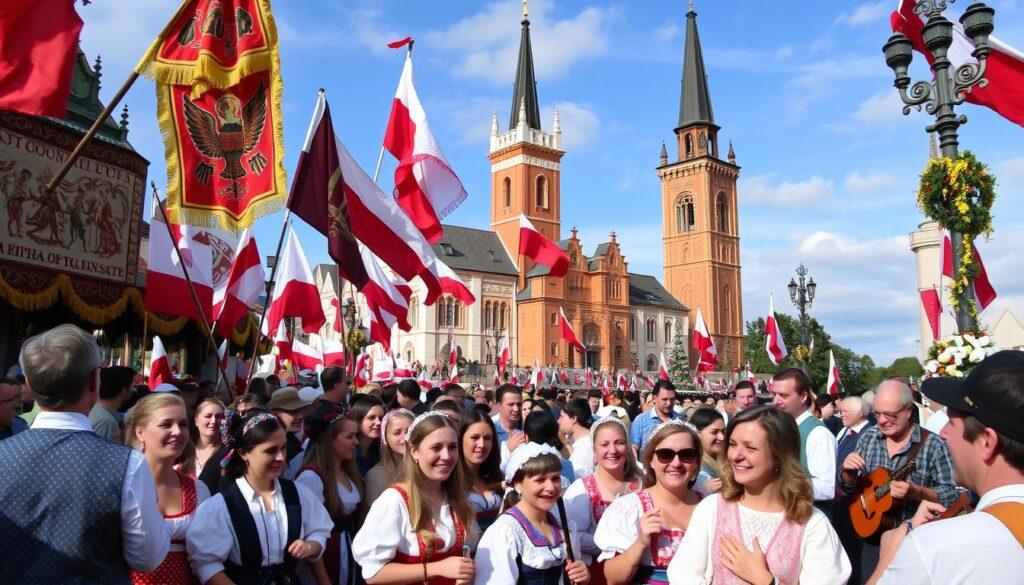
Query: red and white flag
pixel 282 343
pixel 650 382
pixel 566 333
pixel 241 376
pixel 222 355
pixel 1004 68
pixel 424 381
pixel 387 303
pixel 159 367
pixel 982 290
pixel 441 279
pixel 833 374
pixel 497 380
pixel 632 383
pixel 361 376
pixel 515 377
pixel 307 356
pixel 453 375
pixel 537 247
pixel 536 376
pixel 774 343
pixel 704 345
pixel 245 283
pixel 662 368
pixel 333 350
pixel 167 289
pixel 504 354
pixel 933 310
pixel 295 293
pixel 620 381
pixel 425 185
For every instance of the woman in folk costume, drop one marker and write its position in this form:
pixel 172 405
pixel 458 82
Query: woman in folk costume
pixel 392 451
pixel 257 529
pixel 368 411
pixel 480 461
pixel 711 425
pixel 526 544
pixel 159 428
pixel 588 497
pixel 329 471
pixel 417 530
pixel 639 533
pixel 205 433
pixel 762 526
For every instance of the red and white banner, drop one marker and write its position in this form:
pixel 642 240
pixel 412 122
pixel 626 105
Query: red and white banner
pixel 282 343
pixel 981 291
pixel 662 368
pixel 245 283
pixel 387 304
pixel 333 351
pixel 167 289
pixel 566 333
pixel 833 374
pixel 537 247
pixel 307 356
pixel 425 185
pixel 1004 68
pixel 504 354
pixel 295 293
pixel 159 367
pixel 705 346
pixel 774 343
pixel 441 279
pixel 933 310
pixel 537 376
pixel 361 376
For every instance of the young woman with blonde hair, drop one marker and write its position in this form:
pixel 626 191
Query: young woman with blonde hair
pixel 639 533
pixel 392 451
pixel 762 526
pixel 417 529
pixel 159 429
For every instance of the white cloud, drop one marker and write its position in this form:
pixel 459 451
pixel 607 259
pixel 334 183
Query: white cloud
pixel 363 28
pixel 881 110
pixel 486 44
pixel 121 32
pixel 667 31
pixel 866 13
pixel 470 118
pixel 760 190
pixel 871 184
pixel 640 244
pixel 580 125
pixel 1010 172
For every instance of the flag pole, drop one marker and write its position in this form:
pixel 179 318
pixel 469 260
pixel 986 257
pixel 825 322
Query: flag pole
pixel 210 345
pixel 380 156
pixel 270 284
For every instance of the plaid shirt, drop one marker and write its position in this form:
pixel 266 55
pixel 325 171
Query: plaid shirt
pixel 934 465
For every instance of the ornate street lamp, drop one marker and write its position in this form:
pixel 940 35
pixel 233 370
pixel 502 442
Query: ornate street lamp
pixel 948 89
pixel 801 293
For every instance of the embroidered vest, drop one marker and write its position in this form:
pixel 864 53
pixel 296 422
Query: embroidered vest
pixel 782 552
pixel 432 553
pixel 527 574
pixel 663 548
pixel 251 569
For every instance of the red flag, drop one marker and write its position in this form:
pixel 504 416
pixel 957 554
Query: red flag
pixel 1004 68
pixel 307 357
pixel 399 43
pixel 362 369
pixel 833 374
pixel 38 45
pixel 933 309
pixel 504 354
pixel 565 332
pixel 334 352
pixel 167 289
pixel 283 343
pixel 245 283
pixel 982 291
pixel 441 279
pixel 336 305
pixel 774 343
pixel 159 367
pixel 590 378
pixel 535 246
pixel 703 343
pixel 425 185
pixel 662 368
pixel 295 293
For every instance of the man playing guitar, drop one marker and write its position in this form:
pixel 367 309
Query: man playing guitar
pixel 890 444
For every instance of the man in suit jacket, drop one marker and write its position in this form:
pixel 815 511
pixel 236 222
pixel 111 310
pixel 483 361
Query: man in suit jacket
pixel 854 412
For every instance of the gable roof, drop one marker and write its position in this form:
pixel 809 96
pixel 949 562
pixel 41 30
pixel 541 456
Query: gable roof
pixel 646 290
pixel 463 248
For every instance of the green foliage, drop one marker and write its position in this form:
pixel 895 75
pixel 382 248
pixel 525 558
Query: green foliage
pixel 679 360
pixel 904 367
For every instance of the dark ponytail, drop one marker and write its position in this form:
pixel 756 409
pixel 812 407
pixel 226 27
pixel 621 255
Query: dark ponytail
pixel 243 434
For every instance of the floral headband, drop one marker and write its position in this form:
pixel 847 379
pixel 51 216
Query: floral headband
pixel 418 420
pixel 387 418
pixel 231 441
pixel 313 428
pixel 607 420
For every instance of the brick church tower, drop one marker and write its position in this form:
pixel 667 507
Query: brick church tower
pixel 700 228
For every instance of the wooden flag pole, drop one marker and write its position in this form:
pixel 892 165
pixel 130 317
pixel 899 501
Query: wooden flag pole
pixel 210 345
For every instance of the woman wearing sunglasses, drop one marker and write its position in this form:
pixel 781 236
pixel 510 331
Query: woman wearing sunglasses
pixel 762 526
pixel 639 533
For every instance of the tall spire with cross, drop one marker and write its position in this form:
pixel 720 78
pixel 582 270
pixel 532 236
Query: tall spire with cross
pixel 695 97
pixel 525 89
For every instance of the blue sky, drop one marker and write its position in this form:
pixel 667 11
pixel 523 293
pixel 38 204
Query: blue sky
pixel 829 163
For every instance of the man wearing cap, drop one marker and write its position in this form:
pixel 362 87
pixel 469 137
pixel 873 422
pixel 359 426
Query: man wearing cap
pixel 985 435
pixel 892 444
pixel 291 409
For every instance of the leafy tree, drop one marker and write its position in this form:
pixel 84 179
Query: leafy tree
pixel 904 367
pixel 679 360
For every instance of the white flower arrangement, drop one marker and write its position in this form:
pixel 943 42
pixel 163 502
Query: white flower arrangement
pixel 956 355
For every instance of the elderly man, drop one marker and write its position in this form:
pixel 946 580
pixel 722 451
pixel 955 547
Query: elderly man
pixel 854 413
pixel 985 435
pixel 75 505
pixel 893 443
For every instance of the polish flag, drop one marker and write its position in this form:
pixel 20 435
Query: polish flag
pixel 535 246
pixel 515 377
pixel 401 368
pixel 536 376
pixel 504 354
pixel 424 381
pixel 620 381
pixel 295 293
pixel 632 383
pixel 566 333
pixel 282 343
pixel 662 368
pixel 245 282
pixel 933 310
pixel 441 279
pixel 982 290
pixel 307 357
pixel 703 343
pixel 774 343
pixel 650 382
pixel 606 384
pixel 167 289
pixel 833 374
pixel 1004 68
pixel 336 305
pixel 159 367
pixel 453 375
pixel 334 352
pixel 384 298
pixel 361 377
pixel 497 380
pixel 425 185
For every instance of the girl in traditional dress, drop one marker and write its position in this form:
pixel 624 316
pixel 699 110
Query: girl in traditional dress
pixel 329 471
pixel 526 544
pixel 711 425
pixel 205 433
pixel 762 526
pixel 257 529
pixel 368 411
pixel 416 531
pixel 481 466
pixel 639 533
pixel 392 450
pixel 541 427
pixel 159 428
pixel 588 497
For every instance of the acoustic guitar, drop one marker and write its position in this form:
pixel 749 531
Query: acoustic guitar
pixel 872 507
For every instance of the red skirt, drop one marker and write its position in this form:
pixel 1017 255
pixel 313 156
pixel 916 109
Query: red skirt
pixel 173 571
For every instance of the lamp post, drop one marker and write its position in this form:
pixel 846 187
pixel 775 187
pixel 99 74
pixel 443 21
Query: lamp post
pixel 348 313
pixel 495 334
pixel 802 295
pixel 948 89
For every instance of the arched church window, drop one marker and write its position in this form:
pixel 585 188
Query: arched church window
pixel 685 217
pixel 688 142
pixel 507 192
pixel 668 330
pixel 651 330
pixel 722 209
pixel 542 192
pixel 652 362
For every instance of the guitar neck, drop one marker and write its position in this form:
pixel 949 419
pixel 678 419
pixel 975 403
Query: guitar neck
pixel 900 474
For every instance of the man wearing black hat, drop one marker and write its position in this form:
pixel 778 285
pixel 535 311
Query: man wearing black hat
pixel 985 434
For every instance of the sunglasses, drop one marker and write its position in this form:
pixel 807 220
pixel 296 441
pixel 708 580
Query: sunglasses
pixel 665 456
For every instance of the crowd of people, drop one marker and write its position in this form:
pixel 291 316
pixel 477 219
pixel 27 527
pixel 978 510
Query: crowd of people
pixel 100 483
